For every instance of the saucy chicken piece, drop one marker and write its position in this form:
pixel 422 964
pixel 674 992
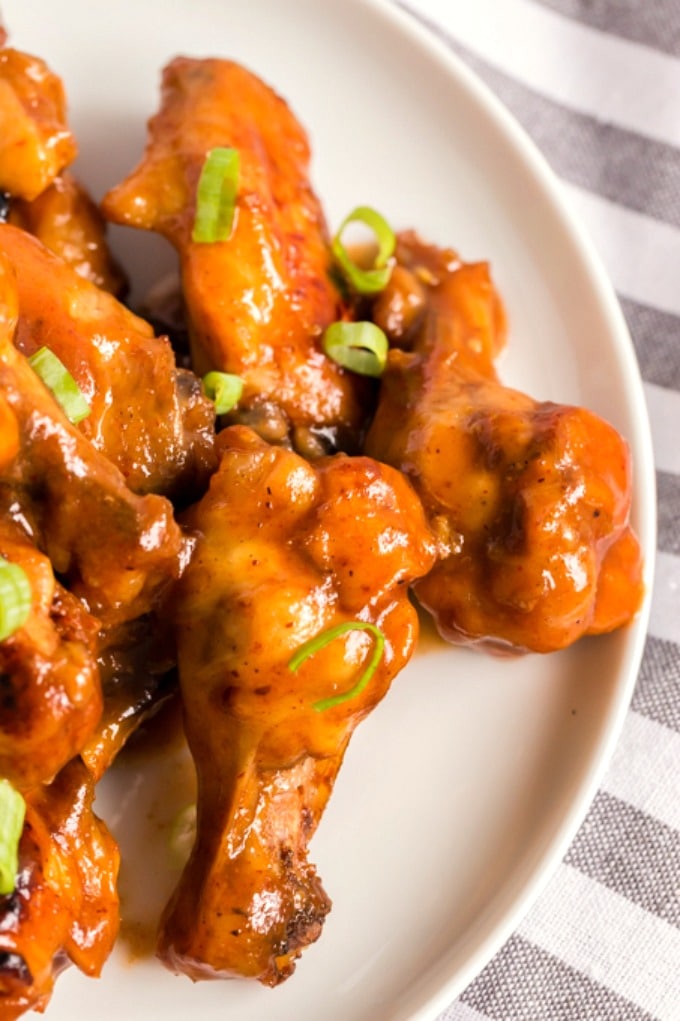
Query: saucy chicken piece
pixel 64 908
pixel 66 220
pixel 259 302
pixel 35 140
pixel 530 500
pixel 116 551
pixel 285 550
pixel 150 418
pixel 50 697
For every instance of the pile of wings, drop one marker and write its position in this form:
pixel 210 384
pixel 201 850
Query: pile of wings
pixel 173 552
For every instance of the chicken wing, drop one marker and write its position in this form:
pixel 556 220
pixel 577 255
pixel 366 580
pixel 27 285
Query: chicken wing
pixel 116 551
pixel 285 550
pixel 530 500
pixel 35 140
pixel 67 221
pixel 50 696
pixel 150 418
pixel 64 908
pixel 259 302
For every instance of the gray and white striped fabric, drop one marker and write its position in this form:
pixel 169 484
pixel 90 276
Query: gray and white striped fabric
pixel 596 83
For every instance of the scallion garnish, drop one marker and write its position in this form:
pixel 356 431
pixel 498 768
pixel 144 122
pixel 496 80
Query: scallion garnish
pixel 319 642
pixel 361 347
pixel 59 380
pixel 12 812
pixel 216 196
pixel 373 279
pixel 15 598
pixel 223 389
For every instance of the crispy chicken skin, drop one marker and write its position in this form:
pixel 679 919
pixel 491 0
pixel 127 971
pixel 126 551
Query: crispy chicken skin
pixel 150 418
pixel 284 551
pixel 35 140
pixel 116 551
pixel 67 221
pixel 259 302
pixel 529 500
pixel 65 906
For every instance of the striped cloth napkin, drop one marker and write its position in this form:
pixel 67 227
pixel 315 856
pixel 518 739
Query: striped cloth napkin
pixel 596 83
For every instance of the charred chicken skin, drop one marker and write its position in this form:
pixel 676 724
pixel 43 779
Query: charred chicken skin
pixel 530 501
pixel 285 550
pixel 257 303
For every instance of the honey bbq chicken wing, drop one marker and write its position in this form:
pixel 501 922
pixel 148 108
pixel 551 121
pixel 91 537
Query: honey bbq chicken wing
pixel 50 696
pixel 148 417
pixel 35 140
pixel 116 551
pixel 258 302
pixel 529 500
pixel 67 221
pixel 64 908
pixel 285 551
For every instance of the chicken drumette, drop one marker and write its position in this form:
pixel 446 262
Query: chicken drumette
pixel 529 501
pixel 285 551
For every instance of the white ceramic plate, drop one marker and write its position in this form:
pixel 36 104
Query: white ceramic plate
pixel 460 794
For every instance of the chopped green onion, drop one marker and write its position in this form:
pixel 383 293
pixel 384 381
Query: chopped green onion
pixel 361 347
pixel 59 380
pixel 319 642
pixel 12 812
pixel 223 389
pixel 373 279
pixel 15 598
pixel 216 196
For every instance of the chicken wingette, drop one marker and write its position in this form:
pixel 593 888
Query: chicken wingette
pixel 113 549
pixel 50 694
pixel 149 418
pixel 64 908
pixel 530 500
pixel 35 140
pixel 258 302
pixel 67 221
pixel 285 550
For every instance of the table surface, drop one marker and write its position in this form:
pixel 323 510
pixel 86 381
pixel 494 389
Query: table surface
pixel 596 84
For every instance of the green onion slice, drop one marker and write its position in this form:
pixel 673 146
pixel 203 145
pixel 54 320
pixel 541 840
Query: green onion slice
pixel 361 347
pixel 15 598
pixel 373 279
pixel 12 812
pixel 319 642
pixel 216 196
pixel 223 389
pixel 59 380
